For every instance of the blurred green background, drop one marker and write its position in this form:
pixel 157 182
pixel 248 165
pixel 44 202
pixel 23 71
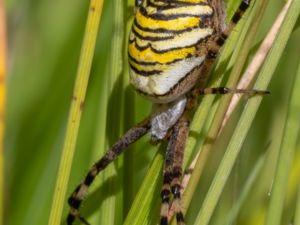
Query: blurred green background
pixel 44 40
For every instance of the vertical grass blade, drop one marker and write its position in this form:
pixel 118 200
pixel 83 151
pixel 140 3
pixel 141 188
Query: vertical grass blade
pixel 246 119
pixel 112 207
pixel 245 191
pixel 297 213
pixel 2 103
pixel 87 52
pixel 145 199
pixel 287 150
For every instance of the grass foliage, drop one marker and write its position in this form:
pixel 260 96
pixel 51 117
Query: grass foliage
pixel 247 175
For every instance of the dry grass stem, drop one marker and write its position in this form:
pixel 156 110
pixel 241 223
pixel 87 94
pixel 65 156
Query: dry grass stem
pixel 257 61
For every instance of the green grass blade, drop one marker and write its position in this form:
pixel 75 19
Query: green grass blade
pixel 78 97
pixel 144 202
pixel 233 214
pixel 2 104
pixel 288 147
pixel 297 214
pixel 245 121
pixel 111 211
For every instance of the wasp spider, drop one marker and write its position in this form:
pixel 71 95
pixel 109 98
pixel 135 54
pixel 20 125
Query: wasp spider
pixel 172 47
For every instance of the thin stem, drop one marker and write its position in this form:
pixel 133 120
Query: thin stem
pixel 297 213
pixel 144 200
pixel 257 61
pixel 233 214
pixel 87 52
pixel 114 205
pixel 2 103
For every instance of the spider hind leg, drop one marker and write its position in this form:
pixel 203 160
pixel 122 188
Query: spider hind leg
pixel 173 171
pixel 181 131
pixel 167 179
pixel 79 193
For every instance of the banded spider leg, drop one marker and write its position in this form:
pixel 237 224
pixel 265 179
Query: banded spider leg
pixel 172 172
pixel 79 193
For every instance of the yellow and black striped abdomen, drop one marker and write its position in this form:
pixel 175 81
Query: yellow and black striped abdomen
pixel 162 45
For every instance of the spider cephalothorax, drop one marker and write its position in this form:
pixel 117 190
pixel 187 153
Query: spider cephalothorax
pixel 172 47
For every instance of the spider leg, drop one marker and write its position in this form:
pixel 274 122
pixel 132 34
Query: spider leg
pixel 215 43
pixel 225 90
pixel 213 48
pixel 77 196
pixel 181 132
pixel 235 19
pixel 167 179
pixel 173 170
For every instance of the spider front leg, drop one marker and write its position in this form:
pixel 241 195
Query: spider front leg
pixel 173 170
pixel 224 90
pixel 218 40
pixel 78 195
pixel 214 45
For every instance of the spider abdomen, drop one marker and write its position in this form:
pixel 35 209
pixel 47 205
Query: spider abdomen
pixel 164 45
